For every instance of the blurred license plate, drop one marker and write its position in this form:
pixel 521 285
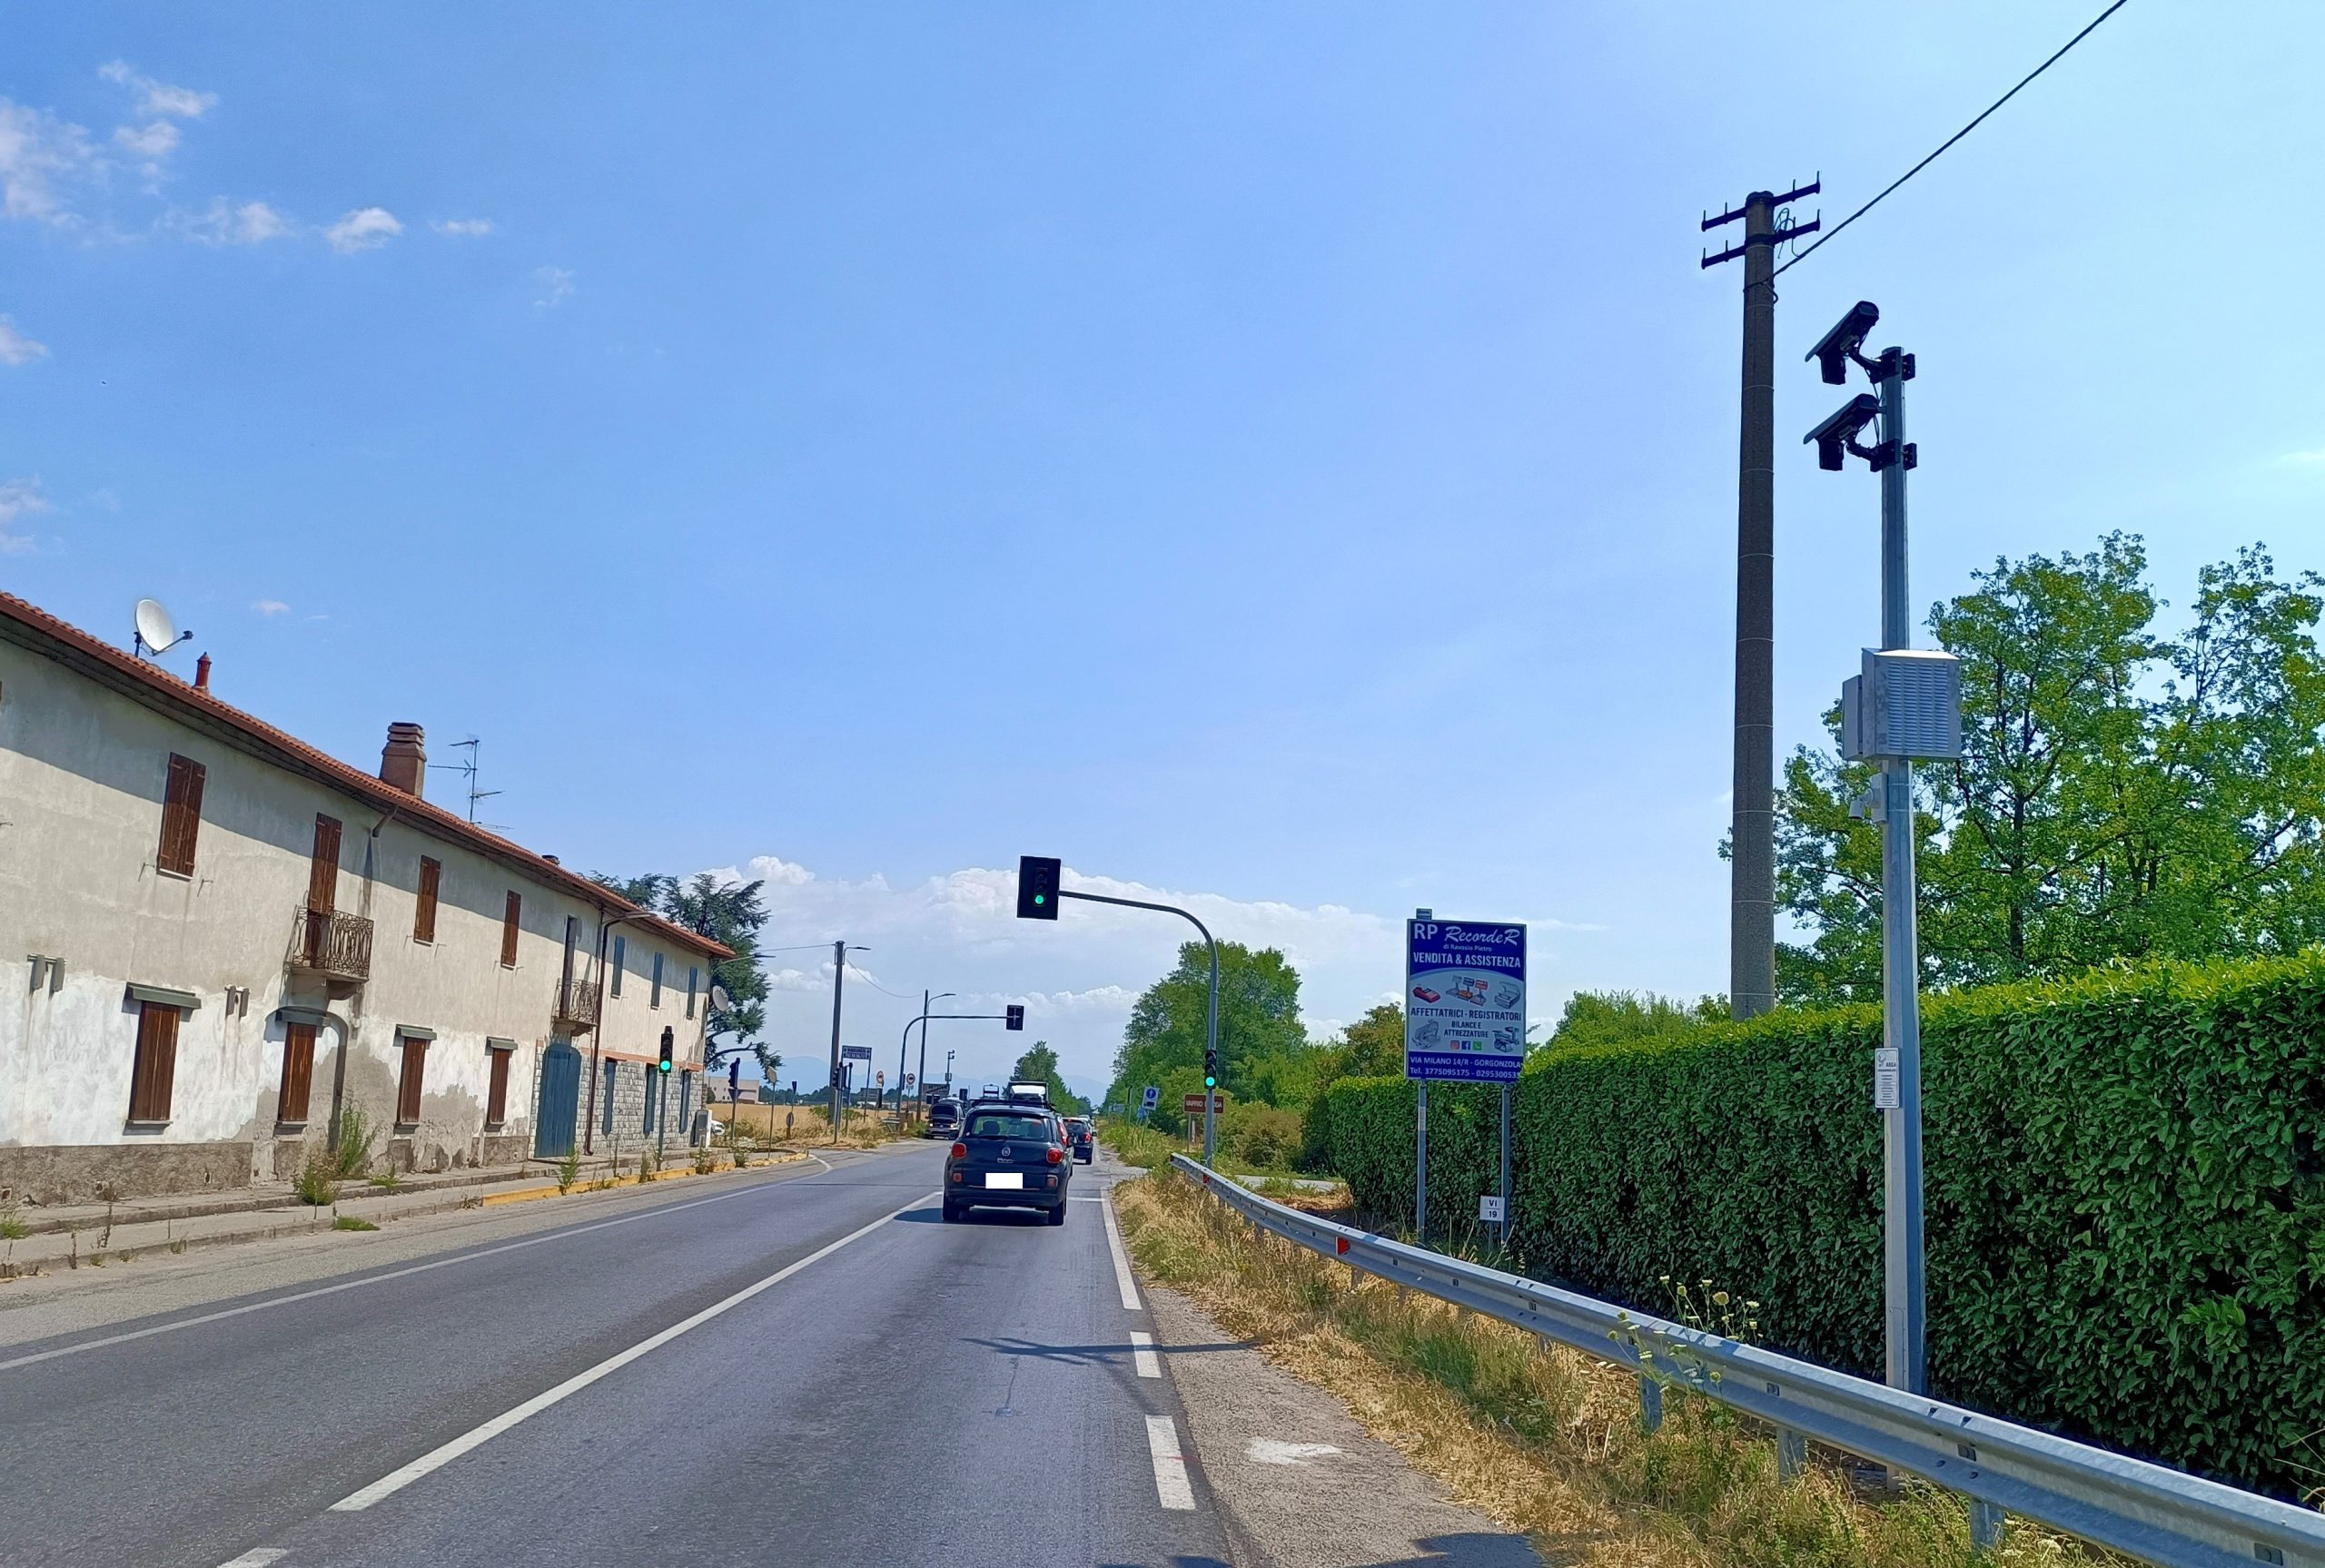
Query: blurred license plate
pixel 1004 1178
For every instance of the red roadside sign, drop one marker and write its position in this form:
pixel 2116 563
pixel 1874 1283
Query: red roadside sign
pixel 1192 1104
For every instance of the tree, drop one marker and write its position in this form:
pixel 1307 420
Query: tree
pixel 1614 1017
pixel 731 914
pixel 1264 1051
pixel 1039 1065
pixel 2119 795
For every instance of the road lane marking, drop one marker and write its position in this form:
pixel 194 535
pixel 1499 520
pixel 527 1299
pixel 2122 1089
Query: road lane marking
pixel 222 1314
pixel 1170 1483
pixel 1275 1451
pixel 1141 1355
pixel 257 1557
pixel 1122 1280
pixel 444 1454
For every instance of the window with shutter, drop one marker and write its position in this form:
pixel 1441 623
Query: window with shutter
pixel 694 978
pixel 180 815
pixel 621 951
pixel 157 1062
pixel 408 1088
pixel 508 929
pixel 496 1102
pixel 322 869
pixel 423 922
pixel 298 1072
pixel 655 997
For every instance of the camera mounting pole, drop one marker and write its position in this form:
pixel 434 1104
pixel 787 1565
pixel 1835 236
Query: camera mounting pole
pixel 1879 725
pixel 1752 918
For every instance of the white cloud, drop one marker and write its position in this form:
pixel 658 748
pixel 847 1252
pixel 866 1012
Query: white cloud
pixel 2309 459
pixel 223 223
pixel 462 228
pixel 159 98
pixel 19 498
pixel 40 156
pixel 16 349
pixel 154 142
pixel 557 285
pixel 271 607
pixel 365 229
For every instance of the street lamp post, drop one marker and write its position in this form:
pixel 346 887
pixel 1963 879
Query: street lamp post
pixel 840 949
pixel 921 1078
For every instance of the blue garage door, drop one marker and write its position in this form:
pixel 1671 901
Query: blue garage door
pixel 561 1101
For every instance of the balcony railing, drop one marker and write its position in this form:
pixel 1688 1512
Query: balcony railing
pixel 575 1011
pixel 336 946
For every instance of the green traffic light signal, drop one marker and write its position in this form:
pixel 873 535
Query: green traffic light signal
pixel 1210 1083
pixel 664 1066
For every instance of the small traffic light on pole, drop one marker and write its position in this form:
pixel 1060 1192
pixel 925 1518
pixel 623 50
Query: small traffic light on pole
pixel 1036 889
pixel 1211 1069
pixel 1016 1016
pixel 669 1043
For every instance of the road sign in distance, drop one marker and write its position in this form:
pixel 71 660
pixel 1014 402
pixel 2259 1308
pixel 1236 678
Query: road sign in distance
pixel 1153 1093
pixel 856 1053
pixel 1017 1017
pixel 1037 887
pixel 1192 1104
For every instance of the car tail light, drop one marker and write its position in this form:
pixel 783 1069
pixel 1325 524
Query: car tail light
pixel 1056 1154
pixel 960 1152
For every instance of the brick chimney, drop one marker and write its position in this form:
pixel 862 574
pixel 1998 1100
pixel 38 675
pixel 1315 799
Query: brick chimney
pixel 201 673
pixel 403 761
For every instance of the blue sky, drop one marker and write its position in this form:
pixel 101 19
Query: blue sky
pixel 1278 454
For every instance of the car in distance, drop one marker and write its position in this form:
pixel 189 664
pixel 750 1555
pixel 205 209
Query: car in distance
pixel 1008 1157
pixel 944 1119
pixel 1081 1138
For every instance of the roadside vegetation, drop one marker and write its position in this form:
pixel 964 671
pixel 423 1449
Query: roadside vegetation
pixel 1544 1439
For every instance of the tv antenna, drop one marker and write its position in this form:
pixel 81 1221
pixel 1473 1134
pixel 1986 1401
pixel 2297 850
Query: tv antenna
pixel 152 632
pixel 465 768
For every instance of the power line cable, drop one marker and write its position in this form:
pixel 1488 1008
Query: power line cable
pixel 1834 232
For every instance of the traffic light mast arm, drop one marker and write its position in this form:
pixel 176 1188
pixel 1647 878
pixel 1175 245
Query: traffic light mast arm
pixel 1210 1019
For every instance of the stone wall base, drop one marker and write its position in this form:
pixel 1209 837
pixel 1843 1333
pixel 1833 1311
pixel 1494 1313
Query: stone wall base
pixel 90 1173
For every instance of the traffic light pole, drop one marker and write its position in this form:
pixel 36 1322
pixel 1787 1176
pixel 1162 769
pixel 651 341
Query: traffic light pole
pixel 922 1023
pixel 1211 1022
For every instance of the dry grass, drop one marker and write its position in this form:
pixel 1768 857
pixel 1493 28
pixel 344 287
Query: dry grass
pixel 809 1126
pixel 1542 1439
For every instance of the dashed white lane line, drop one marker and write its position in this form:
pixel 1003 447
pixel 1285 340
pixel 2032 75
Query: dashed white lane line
pixel 256 1557
pixel 1170 1483
pixel 1141 1355
pixel 437 1458
pixel 1122 1279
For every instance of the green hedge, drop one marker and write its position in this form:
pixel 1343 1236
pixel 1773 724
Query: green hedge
pixel 2125 1195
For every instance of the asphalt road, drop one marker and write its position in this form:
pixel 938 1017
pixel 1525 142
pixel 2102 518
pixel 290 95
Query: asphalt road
pixel 811 1370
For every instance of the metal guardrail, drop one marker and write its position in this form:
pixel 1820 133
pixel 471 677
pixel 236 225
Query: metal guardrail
pixel 2150 1511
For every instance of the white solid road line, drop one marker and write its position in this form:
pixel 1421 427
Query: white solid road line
pixel 1170 1483
pixel 437 1458
pixel 1141 1355
pixel 256 1557
pixel 197 1321
pixel 1122 1279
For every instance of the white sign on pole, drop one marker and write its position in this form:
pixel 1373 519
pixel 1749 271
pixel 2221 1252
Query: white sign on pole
pixel 1489 1211
pixel 1465 1001
pixel 1884 1079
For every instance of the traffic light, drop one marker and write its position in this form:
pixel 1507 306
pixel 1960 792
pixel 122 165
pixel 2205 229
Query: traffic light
pixel 669 1043
pixel 1036 889
pixel 1211 1069
pixel 1017 1013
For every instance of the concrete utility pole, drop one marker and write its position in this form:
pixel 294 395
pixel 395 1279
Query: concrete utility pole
pixel 1752 855
pixel 839 973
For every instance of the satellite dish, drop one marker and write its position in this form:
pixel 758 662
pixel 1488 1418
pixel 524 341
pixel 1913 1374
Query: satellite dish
pixel 155 633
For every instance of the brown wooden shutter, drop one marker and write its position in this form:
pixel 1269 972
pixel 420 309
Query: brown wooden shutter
pixel 157 1062
pixel 423 925
pixel 298 1072
pixel 415 1067
pixel 508 929
pixel 496 1102
pixel 322 872
pixel 180 814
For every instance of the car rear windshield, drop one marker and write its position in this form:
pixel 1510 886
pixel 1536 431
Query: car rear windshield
pixel 1026 1127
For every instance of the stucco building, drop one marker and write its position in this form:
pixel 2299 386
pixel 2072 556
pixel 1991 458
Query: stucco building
pixel 214 939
